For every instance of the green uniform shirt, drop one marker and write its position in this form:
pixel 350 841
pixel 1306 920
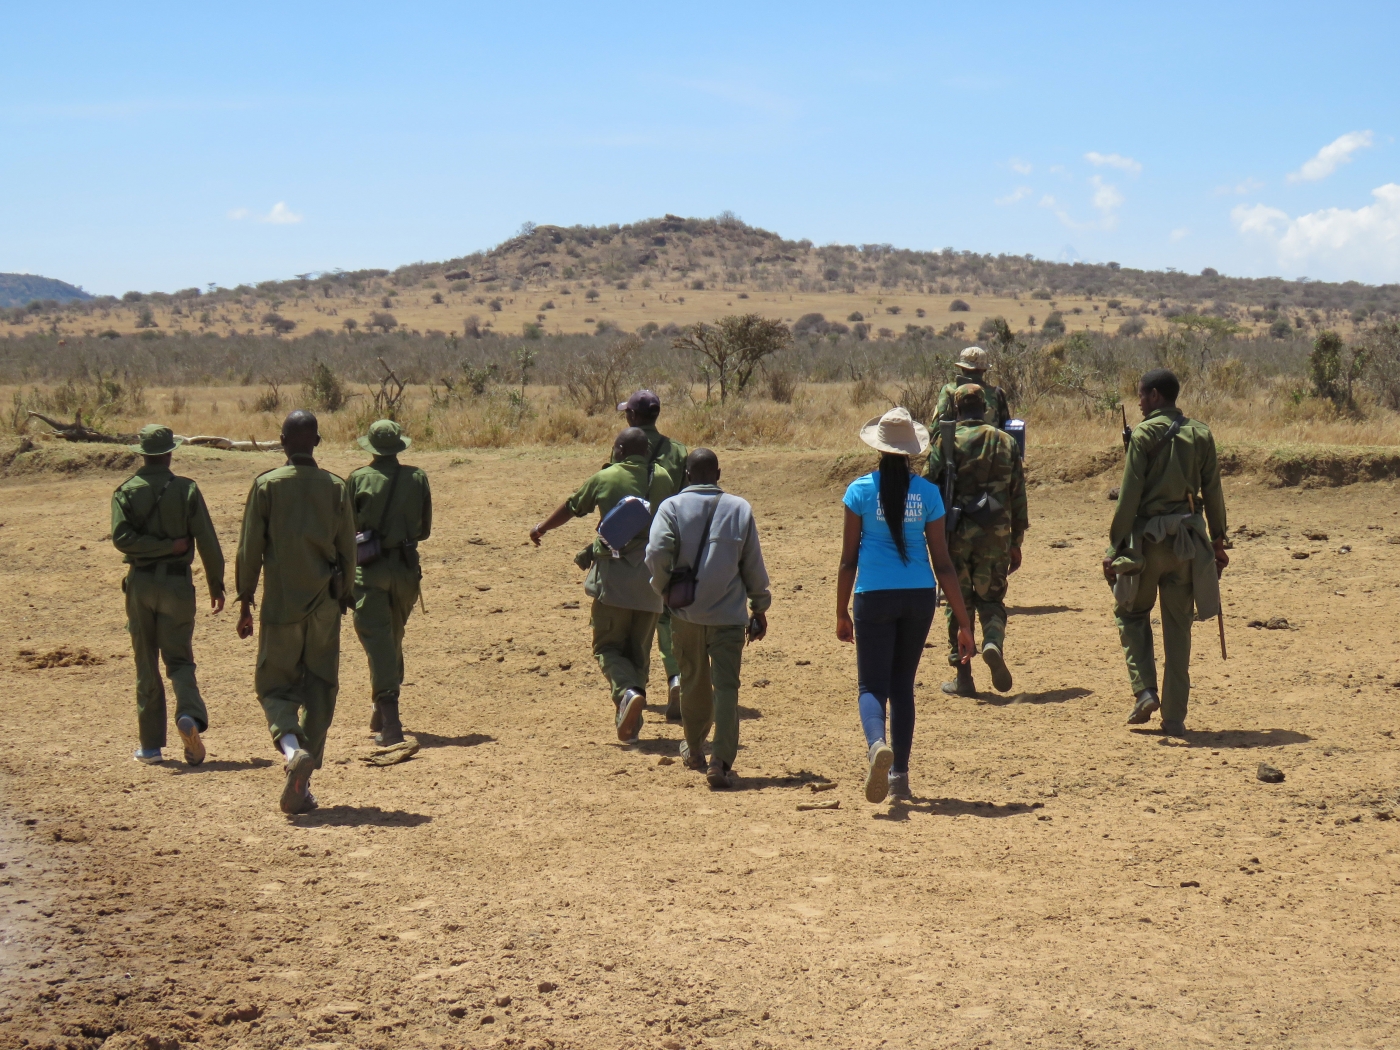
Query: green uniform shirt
pixel 624 581
pixel 987 461
pixel 667 454
pixel 181 513
pixel 1160 484
pixel 998 412
pixel 298 525
pixel 411 517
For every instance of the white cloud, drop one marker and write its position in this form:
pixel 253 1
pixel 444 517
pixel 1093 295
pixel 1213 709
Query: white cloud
pixel 1019 166
pixel 1020 193
pixel 1249 185
pixel 1179 234
pixel 1106 197
pixel 1362 242
pixel 1114 160
pixel 280 215
pixel 1332 156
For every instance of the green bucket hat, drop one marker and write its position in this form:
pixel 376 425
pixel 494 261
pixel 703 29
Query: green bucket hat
pixel 385 438
pixel 156 439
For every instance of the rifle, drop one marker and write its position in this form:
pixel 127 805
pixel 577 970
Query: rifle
pixel 1127 430
pixel 948 429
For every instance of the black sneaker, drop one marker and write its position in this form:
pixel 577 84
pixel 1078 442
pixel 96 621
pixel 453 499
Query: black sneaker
pixel 296 791
pixel 720 776
pixel 673 700
pixel 692 760
pixel 629 716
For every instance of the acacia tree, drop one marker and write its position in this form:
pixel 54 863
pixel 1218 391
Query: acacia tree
pixel 733 347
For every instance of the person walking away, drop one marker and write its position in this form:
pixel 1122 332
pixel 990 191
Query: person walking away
pixel 625 608
pixel 158 520
pixel 893 526
pixel 713 533
pixel 1167 538
pixel 972 366
pixel 299 534
pixel 393 514
pixel 642 410
pixel 989 497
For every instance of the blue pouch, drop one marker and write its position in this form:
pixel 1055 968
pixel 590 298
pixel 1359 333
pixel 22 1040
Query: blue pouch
pixel 624 523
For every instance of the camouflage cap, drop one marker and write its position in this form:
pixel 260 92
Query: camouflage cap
pixel 385 438
pixel 974 359
pixel 156 439
pixel 969 394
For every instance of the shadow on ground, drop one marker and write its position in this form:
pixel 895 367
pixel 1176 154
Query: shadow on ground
pixel 470 740
pixel 1233 738
pixel 1039 610
pixel 360 816
pixel 956 807
pixel 224 766
pixel 1051 696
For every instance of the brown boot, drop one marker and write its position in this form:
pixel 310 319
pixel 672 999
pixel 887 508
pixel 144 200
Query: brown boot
pixel 390 728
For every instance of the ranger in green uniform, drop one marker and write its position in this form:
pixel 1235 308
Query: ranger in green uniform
pixel 625 607
pixel 156 519
pixel 393 510
pixel 988 504
pixel 642 410
pixel 299 532
pixel 1168 536
pixel 972 365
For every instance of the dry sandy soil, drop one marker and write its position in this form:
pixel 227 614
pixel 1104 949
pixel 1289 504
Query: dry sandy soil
pixel 526 881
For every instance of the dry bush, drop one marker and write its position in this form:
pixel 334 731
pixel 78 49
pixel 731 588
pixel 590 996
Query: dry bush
pixel 595 380
pixel 866 390
pixel 782 385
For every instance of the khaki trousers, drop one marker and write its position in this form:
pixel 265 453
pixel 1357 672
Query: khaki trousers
pixel 710 659
pixel 622 646
pixel 160 618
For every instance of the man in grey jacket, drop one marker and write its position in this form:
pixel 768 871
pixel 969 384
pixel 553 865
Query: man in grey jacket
pixel 731 585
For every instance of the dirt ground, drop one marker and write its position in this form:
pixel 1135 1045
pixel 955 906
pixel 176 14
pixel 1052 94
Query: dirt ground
pixel 526 881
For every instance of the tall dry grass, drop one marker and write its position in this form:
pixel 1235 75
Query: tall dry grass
pixel 819 416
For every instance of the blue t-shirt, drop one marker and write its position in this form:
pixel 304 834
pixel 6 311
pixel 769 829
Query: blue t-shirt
pixel 879 567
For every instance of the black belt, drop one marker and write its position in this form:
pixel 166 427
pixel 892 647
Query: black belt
pixel 169 567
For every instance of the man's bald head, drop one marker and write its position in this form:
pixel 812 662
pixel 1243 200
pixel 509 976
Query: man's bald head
pixel 631 442
pixel 701 467
pixel 300 433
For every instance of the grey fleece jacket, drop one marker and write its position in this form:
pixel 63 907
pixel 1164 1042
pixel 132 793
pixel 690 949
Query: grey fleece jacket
pixel 732 578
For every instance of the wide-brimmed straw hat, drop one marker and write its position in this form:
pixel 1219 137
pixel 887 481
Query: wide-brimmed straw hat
pixel 385 438
pixel 896 431
pixel 156 439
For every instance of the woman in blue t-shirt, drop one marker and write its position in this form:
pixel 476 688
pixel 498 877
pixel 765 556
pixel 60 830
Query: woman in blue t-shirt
pixel 895 595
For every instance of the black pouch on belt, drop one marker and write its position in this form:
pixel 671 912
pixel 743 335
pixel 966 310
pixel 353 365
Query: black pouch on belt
pixel 984 509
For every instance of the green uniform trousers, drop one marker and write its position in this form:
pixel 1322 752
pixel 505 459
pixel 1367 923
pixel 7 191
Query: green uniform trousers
pixel 622 646
pixel 298 676
pixel 1164 571
pixel 160 619
pixel 665 643
pixel 381 613
pixel 983 563
pixel 710 657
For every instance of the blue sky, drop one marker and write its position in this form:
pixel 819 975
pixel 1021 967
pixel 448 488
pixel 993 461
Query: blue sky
pixel 158 146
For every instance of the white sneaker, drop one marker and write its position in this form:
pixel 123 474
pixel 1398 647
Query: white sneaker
pixel 877 780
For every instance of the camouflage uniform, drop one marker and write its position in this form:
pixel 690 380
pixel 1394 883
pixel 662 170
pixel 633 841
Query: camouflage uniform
pixel 997 412
pixel 986 461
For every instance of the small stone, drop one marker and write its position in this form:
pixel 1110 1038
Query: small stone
pixel 1345 548
pixel 1269 774
pixel 1190 883
pixel 670 1043
pixel 797 587
pixel 609 966
pixel 1300 555
pixel 1276 623
pixel 1059 544
pixel 1113 492
pixel 545 987
pixel 483 586
pixel 488 1019
pixel 1317 537
pixel 665 760
pixel 803 663
pixel 503 1000
pixel 564 665
pixel 762 683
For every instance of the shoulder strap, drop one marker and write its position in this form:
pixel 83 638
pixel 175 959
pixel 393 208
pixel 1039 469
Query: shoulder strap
pixel 389 503
pixel 141 527
pixel 705 536
pixel 1166 439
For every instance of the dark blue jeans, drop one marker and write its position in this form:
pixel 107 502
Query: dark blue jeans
pixel 891 628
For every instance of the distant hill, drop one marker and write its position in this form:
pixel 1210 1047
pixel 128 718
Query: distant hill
pixel 17 289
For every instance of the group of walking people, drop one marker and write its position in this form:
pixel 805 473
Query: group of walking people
pixel 675 561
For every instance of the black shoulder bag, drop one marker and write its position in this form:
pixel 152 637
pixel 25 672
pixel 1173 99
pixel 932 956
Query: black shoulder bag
pixel 369 546
pixel 680 592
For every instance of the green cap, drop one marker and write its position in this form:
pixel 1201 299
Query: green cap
pixel 385 438
pixel 156 439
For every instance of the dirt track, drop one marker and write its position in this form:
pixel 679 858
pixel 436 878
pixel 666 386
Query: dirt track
pixel 526 881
